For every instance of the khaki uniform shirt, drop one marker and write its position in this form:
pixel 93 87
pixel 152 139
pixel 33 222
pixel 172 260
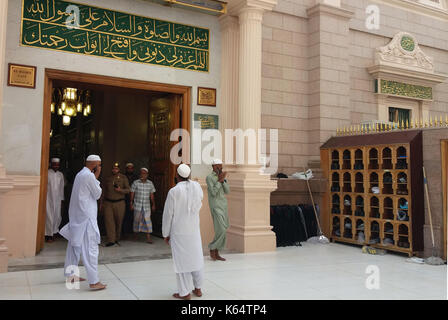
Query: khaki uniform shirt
pixel 109 190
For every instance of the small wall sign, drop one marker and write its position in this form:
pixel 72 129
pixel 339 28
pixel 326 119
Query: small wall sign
pixel 21 76
pixel 207 121
pixel 207 97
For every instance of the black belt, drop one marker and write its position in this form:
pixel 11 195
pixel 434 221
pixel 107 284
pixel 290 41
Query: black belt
pixel 108 200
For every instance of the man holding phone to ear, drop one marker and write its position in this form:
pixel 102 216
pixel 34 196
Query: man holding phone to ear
pixel 217 187
pixel 82 230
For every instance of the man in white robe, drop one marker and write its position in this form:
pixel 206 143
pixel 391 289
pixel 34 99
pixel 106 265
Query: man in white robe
pixel 180 228
pixel 55 196
pixel 82 230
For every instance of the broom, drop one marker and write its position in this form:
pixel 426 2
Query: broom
pixel 434 259
pixel 306 175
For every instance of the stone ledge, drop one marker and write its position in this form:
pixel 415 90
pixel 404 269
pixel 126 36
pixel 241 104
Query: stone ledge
pixel 329 10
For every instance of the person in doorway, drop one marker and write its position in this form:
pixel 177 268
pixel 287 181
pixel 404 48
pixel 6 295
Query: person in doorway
pixel 217 187
pixel 82 230
pixel 142 191
pixel 129 215
pixel 180 228
pixel 130 173
pixel 113 204
pixel 55 197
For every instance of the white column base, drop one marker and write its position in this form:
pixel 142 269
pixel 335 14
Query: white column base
pixel 249 210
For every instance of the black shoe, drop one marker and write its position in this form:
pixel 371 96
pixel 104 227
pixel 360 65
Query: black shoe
pixel 117 243
pixel 109 244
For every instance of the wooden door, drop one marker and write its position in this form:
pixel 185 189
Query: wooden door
pixel 164 117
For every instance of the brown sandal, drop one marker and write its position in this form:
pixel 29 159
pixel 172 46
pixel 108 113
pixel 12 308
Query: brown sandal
pixel 97 286
pixel 187 297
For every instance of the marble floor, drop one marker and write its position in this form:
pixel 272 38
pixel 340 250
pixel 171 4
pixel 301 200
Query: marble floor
pixel 132 248
pixel 313 271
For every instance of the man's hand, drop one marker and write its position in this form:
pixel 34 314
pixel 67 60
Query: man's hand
pixel 167 240
pixel 118 189
pixel 98 172
pixel 222 176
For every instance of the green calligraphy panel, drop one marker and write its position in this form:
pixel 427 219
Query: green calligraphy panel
pixel 78 28
pixel 406 90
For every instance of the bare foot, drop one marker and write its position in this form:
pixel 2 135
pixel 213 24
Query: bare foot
pixel 98 286
pixel 187 297
pixel 197 292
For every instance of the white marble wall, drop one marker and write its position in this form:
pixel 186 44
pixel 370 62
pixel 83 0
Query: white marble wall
pixel 20 137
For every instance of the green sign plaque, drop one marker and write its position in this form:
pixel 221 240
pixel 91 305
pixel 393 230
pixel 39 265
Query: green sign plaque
pixel 207 121
pixel 406 90
pixel 78 28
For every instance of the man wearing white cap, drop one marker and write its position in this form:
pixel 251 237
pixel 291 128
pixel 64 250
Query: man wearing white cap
pixel 217 188
pixel 82 230
pixel 180 228
pixel 55 196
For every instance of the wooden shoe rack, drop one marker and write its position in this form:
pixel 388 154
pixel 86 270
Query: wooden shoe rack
pixel 390 217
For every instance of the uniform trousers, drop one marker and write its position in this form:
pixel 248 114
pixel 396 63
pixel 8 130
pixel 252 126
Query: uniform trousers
pixel 113 219
pixel 184 281
pixel 89 252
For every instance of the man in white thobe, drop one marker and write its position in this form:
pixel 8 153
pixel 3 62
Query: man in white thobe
pixel 180 228
pixel 55 196
pixel 82 230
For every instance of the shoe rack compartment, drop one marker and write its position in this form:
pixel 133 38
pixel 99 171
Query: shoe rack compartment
pixel 372 194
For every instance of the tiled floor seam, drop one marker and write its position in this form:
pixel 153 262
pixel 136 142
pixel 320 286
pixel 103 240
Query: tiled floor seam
pixel 230 293
pixel 29 285
pixel 119 279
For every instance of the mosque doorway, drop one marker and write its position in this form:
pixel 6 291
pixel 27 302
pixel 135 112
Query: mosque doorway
pixel 126 121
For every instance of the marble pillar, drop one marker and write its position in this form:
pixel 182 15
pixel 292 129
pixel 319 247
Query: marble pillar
pixel 249 199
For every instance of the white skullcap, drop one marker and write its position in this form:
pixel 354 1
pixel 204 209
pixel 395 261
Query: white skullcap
pixel 57 160
pixel 93 157
pixel 144 169
pixel 129 164
pixel 216 161
pixel 183 170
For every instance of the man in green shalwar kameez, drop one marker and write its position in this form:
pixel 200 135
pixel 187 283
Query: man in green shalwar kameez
pixel 217 187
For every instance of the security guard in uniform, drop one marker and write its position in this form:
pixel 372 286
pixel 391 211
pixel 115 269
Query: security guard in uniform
pixel 115 189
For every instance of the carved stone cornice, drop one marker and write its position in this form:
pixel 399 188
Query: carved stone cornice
pixel 234 6
pixel 402 74
pixel 403 60
pixel 404 51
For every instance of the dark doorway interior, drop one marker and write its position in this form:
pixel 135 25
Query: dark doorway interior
pixel 125 125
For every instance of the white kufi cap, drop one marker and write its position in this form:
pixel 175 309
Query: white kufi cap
pixel 183 170
pixel 93 157
pixel 216 161
pixel 57 160
pixel 144 169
